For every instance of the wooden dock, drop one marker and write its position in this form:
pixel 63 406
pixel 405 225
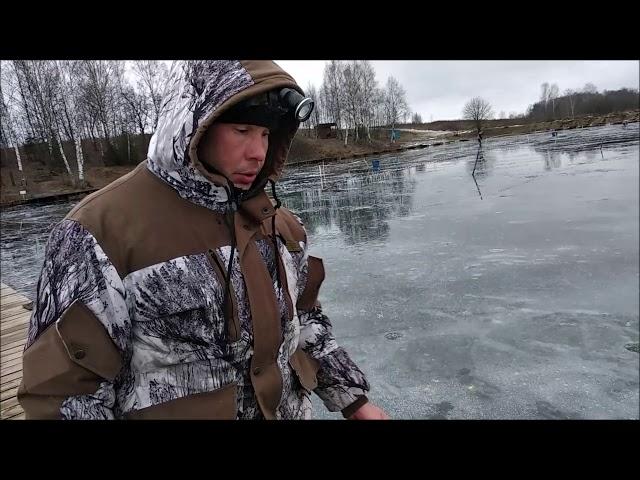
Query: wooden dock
pixel 14 320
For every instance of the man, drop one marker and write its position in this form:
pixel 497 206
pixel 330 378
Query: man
pixel 181 290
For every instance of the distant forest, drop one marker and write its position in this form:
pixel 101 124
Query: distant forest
pixel 587 101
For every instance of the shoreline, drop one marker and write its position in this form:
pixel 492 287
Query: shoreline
pixel 404 145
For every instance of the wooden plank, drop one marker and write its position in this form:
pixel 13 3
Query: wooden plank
pixel 6 361
pixel 6 332
pixel 12 312
pixel 8 308
pixel 15 383
pixel 5 345
pixel 19 416
pixel 14 322
pixel 11 298
pixel 11 351
pixel 15 353
pixel 9 370
pixel 8 403
pixel 6 357
pixel 6 287
pixel 15 336
pixel 15 301
pixel 11 411
pixel 7 298
pixel 10 355
pixel 15 317
pixel 14 330
pixel 18 322
pixel 9 393
pixel 10 362
pixel 9 293
pixel 12 376
pixel 6 365
pixel 21 344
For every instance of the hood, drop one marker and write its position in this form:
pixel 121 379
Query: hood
pixel 196 93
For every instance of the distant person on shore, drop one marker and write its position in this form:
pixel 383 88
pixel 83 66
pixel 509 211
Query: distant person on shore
pixel 181 290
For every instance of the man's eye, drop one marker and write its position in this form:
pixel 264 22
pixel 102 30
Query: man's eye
pixel 242 130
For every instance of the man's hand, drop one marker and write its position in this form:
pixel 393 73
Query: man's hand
pixel 369 411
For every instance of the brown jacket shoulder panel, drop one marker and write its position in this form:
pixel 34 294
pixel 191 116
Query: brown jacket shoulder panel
pixel 139 221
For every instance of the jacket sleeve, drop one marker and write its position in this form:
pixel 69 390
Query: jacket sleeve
pixel 79 332
pixel 342 386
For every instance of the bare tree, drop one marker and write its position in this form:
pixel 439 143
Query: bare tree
pixel 314 119
pixel 369 97
pixel 351 97
pixel 478 110
pixel 331 87
pixel 571 98
pixel 68 111
pixel 100 93
pixel 590 88
pixel 552 95
pixel 137 108
pixel 6 136
pixel 395 102
pixel 152 76
pixel 38 86
pixel 544 96
pixel 416 119
pixel 9 134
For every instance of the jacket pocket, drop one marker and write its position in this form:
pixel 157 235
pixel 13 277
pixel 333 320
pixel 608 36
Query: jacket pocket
pixel 71 357
pixel 220 404
pixel 306 368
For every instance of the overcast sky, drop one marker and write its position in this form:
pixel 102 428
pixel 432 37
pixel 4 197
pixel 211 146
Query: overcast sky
pixel 439 89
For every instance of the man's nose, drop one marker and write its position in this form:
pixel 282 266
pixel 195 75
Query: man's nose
pixel 257 149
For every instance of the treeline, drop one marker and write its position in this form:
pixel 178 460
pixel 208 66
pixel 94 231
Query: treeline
pixel 350 97
pixel 55 101
pixel 574 103
pixel 51 102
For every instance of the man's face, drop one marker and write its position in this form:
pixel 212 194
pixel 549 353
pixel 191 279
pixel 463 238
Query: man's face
pixel 237 151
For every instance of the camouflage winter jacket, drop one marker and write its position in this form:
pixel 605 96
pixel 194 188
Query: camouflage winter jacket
pixel 133 317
